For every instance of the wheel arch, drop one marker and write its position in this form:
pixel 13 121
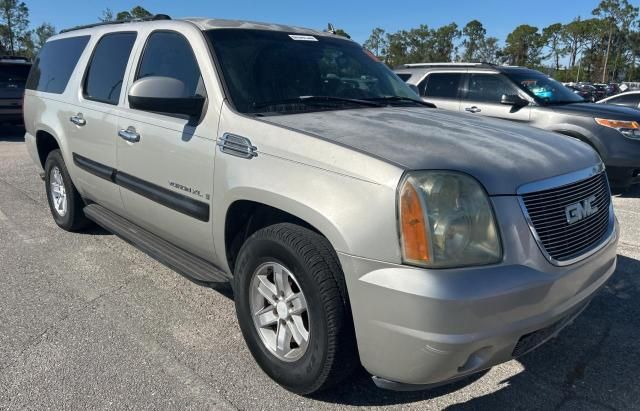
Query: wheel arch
pixel 45 144
pixel 247 214
pixel 584 136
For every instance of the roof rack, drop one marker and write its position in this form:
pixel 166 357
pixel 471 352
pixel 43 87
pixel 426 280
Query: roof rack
pixel 155 17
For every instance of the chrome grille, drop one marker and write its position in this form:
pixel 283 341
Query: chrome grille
pixel 561 241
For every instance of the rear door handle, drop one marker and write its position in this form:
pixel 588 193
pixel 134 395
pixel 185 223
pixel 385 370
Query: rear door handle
pixel 78 120
pixel 129 134
pixel 473 109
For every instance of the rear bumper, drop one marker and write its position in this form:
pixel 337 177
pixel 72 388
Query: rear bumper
pixel 32 149
pixel 425 327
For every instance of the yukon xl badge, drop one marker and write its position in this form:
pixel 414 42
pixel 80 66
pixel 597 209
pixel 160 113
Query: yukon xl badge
pixel 189 190
pixel 580 210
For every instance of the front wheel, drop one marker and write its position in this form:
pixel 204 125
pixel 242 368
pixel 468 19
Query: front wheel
pixel 293 309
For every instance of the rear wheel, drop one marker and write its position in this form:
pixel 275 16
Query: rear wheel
pixel 64 200
pixel 292 308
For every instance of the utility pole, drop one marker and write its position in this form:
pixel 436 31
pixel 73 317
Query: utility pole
pixel 606 57
pixel 579 66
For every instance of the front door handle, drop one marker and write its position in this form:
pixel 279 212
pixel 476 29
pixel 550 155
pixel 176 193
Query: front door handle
pixel 78 120
pixel 473 109
pixel 129 134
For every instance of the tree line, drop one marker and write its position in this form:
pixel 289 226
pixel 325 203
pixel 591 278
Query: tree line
pixel 604 47
pixel 18 38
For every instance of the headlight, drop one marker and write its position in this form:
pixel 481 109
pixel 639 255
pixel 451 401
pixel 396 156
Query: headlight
pixel 629 129
pixel 446 220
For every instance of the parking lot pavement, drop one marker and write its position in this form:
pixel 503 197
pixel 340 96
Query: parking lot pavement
pixel 88 321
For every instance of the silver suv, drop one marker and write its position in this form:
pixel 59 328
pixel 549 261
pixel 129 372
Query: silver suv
pixel 356 223
pixel 528 96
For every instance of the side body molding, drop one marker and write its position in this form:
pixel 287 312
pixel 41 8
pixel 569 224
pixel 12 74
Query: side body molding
pixel 176 201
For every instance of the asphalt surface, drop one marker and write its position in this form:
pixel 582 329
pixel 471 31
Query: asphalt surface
pixel 88 321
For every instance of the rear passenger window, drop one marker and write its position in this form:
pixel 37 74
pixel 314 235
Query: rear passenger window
pixel 55 64
pixel 105 74
pixel 442 85
pixel 168 54
pixel 404 76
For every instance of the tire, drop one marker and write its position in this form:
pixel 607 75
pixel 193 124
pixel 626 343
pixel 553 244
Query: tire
pixel 67 213
pixel 312 268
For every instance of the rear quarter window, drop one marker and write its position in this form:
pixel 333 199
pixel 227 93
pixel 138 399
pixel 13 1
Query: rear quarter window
pixel 55 64
pixel 441 85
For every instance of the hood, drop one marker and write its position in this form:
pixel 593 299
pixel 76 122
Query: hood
pixel 608 111
pixel 500 154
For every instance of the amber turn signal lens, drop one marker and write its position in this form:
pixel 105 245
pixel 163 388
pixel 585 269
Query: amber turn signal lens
pixel 618 123
pixel 415 243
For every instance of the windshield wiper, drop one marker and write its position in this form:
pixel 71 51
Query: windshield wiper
pixel 314 100
pixel 391 99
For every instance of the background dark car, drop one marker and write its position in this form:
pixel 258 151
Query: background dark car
pixel 600 91
pixel 13 77
pixel 584 92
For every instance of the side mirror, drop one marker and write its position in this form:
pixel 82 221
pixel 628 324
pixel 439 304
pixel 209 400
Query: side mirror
pixel 164 95
pixel 414 88
pixel 513 100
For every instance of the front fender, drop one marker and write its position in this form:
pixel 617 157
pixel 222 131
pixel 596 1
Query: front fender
pixel 356 216
pixel 582 134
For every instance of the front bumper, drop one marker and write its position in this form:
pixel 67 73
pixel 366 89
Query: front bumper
pixel 424 327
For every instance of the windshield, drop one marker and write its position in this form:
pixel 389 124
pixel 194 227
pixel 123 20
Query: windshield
pixel 544 89
pixel 13 76
pixel 278 72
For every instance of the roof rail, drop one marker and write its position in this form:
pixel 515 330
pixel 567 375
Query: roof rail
pixel 155 17
pixel 454 64
pixel 13 58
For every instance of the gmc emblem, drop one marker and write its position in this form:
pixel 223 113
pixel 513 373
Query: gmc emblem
pixel 580 210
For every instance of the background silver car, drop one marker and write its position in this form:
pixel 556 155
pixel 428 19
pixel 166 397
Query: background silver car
pixel 527 96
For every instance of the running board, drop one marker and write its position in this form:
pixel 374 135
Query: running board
pixel 168 254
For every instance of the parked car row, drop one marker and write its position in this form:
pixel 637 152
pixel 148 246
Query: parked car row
pixel 527 96
pixel 357 223
pixel 594 92
pixel 13 77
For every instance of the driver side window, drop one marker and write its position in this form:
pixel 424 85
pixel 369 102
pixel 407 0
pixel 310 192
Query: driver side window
pixel 488 88
pixel 168 54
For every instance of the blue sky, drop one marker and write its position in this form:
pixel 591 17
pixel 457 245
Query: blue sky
pixel 356 17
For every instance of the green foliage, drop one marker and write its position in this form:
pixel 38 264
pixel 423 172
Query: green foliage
pixel 474 40
pixel 42 33
pixel 107 15
pixel 524 46
pixel 14 18
pixel 552 38
pixel 137 12
pixel 605 47
pixel 376 43
pixel 342 33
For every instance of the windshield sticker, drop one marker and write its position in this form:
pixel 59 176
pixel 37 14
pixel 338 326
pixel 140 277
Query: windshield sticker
pixel 300 37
